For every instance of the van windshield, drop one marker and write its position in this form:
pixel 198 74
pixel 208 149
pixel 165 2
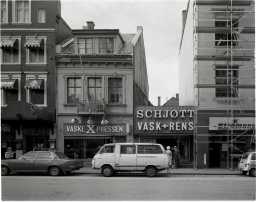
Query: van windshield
pixel 245 156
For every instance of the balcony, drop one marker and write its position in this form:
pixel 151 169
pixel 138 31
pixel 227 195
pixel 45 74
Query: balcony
pixel 91 107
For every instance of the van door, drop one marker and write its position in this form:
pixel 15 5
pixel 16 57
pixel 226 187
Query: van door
pixel 126 159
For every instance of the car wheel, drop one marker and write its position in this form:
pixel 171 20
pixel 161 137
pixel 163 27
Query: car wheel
pixel 151 171
pixel 5 170
pixel 107 171
pixel 252 172
pixel 54 171
pixel 244 172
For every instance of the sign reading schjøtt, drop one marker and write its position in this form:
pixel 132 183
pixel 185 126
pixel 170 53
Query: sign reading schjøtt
pixel 164 119
pixel 86 129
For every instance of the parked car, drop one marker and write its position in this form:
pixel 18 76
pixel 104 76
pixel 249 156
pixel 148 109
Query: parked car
pixel 119 157
pixel 53 163
pixel 247 163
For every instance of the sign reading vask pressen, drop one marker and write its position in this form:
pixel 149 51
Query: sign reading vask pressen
pixel 156 120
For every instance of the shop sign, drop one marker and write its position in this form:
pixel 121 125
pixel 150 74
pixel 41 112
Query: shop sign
pixel 229 123
pixel 71 129
pixel 164 119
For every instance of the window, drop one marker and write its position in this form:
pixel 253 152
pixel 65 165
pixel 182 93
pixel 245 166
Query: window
pixel 41 16
pixel 149 149
pixel 44 156
pixel 36 50
pixel 95 89
pixel 85 46
pixel 227 79
pixel 108 149
pixel 4 12
pixel 226 38
pixel 128 149
pixel 10 50
pixel 29 156
pixel 9 95
pixel 253 157
pixel 115 90
pixel 74 90
pixel 106 45
pixel 36 90
pixel 22 11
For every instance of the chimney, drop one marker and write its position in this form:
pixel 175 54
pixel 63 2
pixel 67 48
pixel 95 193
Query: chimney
pixel 184 17
pixel 90 25
pixel 177 96
pixel 159 101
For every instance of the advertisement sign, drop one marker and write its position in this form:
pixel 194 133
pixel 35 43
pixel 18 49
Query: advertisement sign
pixel 164 120
pixel 229 123
pixel 73 129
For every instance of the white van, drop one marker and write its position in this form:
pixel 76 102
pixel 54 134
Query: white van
pixel 117 157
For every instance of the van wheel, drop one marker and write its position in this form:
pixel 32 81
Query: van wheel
pixel 252 172
pixel 107 171
pixel 4 170
pixel 151 171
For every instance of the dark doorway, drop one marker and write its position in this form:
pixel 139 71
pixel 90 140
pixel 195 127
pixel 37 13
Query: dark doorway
pixel 214 155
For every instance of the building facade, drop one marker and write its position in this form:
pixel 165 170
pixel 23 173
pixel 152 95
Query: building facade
pixel 101 77
pixel 218 78
pixel 29 32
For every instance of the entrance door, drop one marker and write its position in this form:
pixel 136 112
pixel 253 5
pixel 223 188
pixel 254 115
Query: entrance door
pixel 126 159
pixel 214 155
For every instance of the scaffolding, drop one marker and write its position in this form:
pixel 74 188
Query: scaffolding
pixel 223 32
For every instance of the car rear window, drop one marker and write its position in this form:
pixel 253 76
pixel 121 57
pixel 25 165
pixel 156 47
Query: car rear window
pixel 61 155
pixel 29 155
pixel 107 149
pixel 149 149
pixel 44 156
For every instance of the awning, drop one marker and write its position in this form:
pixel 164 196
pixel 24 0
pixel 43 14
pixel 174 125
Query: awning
pixel 8 43
pixel 9 84
pixel 35 84
pixel 33 43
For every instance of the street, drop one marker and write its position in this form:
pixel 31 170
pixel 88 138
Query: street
pixel 128 187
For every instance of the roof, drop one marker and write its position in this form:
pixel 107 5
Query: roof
pixel 129 143
pixel 128 47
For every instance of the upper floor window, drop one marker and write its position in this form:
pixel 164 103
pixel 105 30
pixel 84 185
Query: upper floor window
pixel 106 45
pixel 41 16
pixel 36 50
pixel 74 90
pixel 115 90
pixel 85 46
pixel 227 81
pixel 226 38
pixel 9 91
pixel 95 89
pixel 4 12
pixel 21 11
pixel 36 90
pixel 10 50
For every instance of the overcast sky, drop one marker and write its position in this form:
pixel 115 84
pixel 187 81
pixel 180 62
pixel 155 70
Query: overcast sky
pixel 161 21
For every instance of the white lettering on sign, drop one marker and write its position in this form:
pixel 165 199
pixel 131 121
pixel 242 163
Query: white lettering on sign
pixel 236 123
pixel 158 126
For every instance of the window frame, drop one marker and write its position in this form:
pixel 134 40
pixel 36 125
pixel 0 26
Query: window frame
pixel 102 151
pixel 38 17
pixel 85 48
pixel 6 20
pixel 67 87
pixel 138 151
pixel 14 12
pixel 31 75
pixel 28 51
pixel 128 145
pixel 19 50
pixel 104 50
pixel 95 87
pixel 122 91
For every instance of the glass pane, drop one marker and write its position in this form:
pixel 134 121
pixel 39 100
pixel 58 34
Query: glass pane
pixel 37 96
pixel 78 82
pixel 71 82
pixel 128 149
pixel 98 82
pixel 91 82
pixel 44 156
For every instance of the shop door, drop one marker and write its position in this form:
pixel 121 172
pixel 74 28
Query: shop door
pixel 214 155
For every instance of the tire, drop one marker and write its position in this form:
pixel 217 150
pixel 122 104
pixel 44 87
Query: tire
pixel 244 172
pixel 54 171
pixel 252 172
pixel 107 171
pixel 151 171
pixel 5 170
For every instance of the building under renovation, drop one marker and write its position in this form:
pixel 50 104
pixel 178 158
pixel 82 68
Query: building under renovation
pixel 217 75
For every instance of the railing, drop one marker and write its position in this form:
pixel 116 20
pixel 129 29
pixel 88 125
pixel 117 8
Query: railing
pixel 90 107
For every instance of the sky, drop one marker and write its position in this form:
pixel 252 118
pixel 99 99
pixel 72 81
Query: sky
pixel 161 21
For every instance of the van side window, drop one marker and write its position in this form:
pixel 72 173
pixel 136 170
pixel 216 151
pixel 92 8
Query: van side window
pixel 253 156
pixel 149 149
pixel 128 149
pixel 108 149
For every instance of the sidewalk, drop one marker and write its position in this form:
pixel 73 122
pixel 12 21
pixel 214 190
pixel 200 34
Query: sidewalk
pixel 176 171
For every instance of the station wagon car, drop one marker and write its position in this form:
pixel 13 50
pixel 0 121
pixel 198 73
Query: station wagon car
pixel 53 163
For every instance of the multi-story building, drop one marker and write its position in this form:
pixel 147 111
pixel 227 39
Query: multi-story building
pixel 29 31
pixel 217 75
pixel 101 77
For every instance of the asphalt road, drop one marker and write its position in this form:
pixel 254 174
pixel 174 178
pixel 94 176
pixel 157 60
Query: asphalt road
pixel 128 187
